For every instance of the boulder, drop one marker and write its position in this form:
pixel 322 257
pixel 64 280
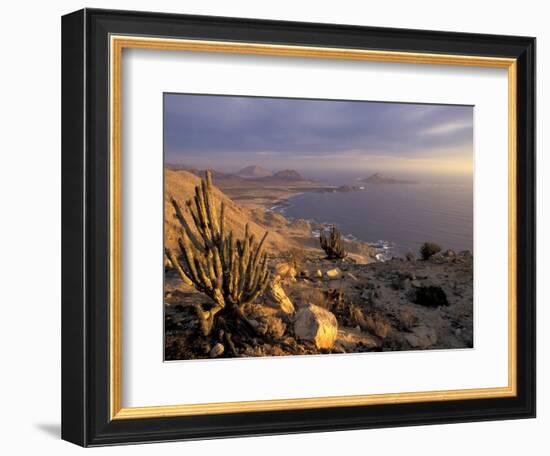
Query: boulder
pixel 217 350
pixel 315 324
pixel 285 271
pixel 319 274
pixel 277 298
pixel 333 273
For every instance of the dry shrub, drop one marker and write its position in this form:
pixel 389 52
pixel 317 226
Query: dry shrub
pixel 407 318
pixel 295 257
pixel 375 323
pixel 429 249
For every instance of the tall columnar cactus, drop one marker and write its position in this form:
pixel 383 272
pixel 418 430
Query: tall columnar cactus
pixel 332 243
pixel 232 272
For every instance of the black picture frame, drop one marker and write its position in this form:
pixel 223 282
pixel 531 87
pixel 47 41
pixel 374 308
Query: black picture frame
pixel 85 228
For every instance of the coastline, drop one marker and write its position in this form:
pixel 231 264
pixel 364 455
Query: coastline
pixel 383 249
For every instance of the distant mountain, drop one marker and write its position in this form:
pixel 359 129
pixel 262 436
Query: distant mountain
pixel 287 175
pixel 378 178
pixel 177 166
pixel 253 172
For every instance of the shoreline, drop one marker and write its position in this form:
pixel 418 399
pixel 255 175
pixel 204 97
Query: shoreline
pixel 383 248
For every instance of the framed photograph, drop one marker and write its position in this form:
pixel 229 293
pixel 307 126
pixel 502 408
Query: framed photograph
pixel 278 227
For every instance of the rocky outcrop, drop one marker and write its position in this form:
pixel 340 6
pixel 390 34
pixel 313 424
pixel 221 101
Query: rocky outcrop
pixel 317 325
pixel 285 271
pixel 378 178
pixel 277 298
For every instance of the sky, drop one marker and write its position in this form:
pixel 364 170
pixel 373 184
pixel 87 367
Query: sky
pixel 317 137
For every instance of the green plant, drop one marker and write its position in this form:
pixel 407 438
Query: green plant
pixel 231 272
pixel 332 243
pixel 429 249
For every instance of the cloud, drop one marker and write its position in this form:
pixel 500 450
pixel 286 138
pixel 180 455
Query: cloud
pixel 449 128
pixel 295 129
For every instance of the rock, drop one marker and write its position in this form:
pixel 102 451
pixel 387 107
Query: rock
pixel 450 253
pixel 285 271
pixel 277 298
pixel 422 337
pixel 315 324
pixel 304 273
pixel 319 273
pixel 217 350
pixel 350 338
pixel 333 273
pixel 430 296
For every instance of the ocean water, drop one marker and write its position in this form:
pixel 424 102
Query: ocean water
pixel 396 218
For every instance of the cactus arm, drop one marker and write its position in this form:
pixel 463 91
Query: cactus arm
pixel 173 259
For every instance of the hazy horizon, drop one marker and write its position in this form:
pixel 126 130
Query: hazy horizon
pixel 321 139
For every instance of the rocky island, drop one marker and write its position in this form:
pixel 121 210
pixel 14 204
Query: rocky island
pixel 378 178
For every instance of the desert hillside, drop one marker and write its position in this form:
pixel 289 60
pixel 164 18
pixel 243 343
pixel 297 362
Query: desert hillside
pixel 282 235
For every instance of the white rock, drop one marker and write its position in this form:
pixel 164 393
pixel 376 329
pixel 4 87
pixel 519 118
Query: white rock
pixel 317 325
